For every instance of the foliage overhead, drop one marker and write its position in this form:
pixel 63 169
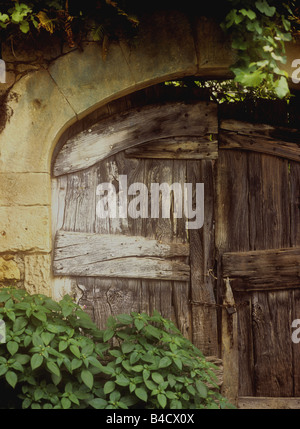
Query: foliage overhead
pixel 258 29
pixel 54 357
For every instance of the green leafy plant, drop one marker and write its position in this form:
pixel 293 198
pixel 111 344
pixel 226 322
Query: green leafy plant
pixel 154 366
pixel 55 357
pixel 52 350
pixel 259 30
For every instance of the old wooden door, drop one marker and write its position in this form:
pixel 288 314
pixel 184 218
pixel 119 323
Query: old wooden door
pixel 258 246
pixel 140 259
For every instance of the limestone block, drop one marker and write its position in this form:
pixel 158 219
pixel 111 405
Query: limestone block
pixel 25 229
pixel 25 189
pixel 9 269
pixel 164 48
pixel 214 52
pixel 38 113
pixel 86 79
pixel 38 273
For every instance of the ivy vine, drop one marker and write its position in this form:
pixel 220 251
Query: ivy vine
pixel 259 30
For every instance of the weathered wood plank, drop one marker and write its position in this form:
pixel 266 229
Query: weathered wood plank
pixel 271 309
pixel 177 148
pixel 104 247
pixel 129 267
pixel 204 315
pixel 181 290
pixel 245 335
pixel 264 269
pixel 259 130
pixel 230 352
pixel 295 203
pixel 288 150
pixel 272 343
pixel 267 403
pixel 132 128
pixel 232 234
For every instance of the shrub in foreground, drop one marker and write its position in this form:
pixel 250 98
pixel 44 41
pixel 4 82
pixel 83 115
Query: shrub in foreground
pixel 56 357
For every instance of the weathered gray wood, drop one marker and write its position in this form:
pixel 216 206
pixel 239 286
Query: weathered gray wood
pixel 264 269
pixel 259 130
pixel 230 352
pixel 132 128
pixel 267 403
pixel 232 234
pixel 204 314
pixel 270 146
pixel 131 267
pixel 245 335
pixel 177 148
pixel 295 202
pixel 272 343
pixel 269 223
pixel 81 246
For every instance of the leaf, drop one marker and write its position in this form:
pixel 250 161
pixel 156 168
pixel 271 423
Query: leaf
pixel 171 395
pixel 47 337
pixel 164 362
pixel 150 385
pixel 157 378
pixel 62 345
pixel 250 13
pixel 154 332
pixel 74 399
pixel 38 394
pixel 27 340
pixel 98 403
pixel 40 316
pixel 75 350
pixel 125 319
pixel 66 403
pixel 53 368
pixel 141 393
pixel 265 8
pixel 109 387
pixel 127 347
pixel 178 363
pixel 19 323
pixel 36 361
pixel 281 87
pixel 37 340
pixel 11 378
pixel 22 359
pixel 202 389
pixel 56 379
pixel 87 378
pixel 12 347
pixel 139 324
pixel 108 334
pixel 95 362
pixel 3 369
pixel 146 374
pixel 16 365
pixel 162 400
pixel 121 380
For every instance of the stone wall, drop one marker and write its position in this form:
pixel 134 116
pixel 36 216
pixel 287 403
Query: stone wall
pixel 49 88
